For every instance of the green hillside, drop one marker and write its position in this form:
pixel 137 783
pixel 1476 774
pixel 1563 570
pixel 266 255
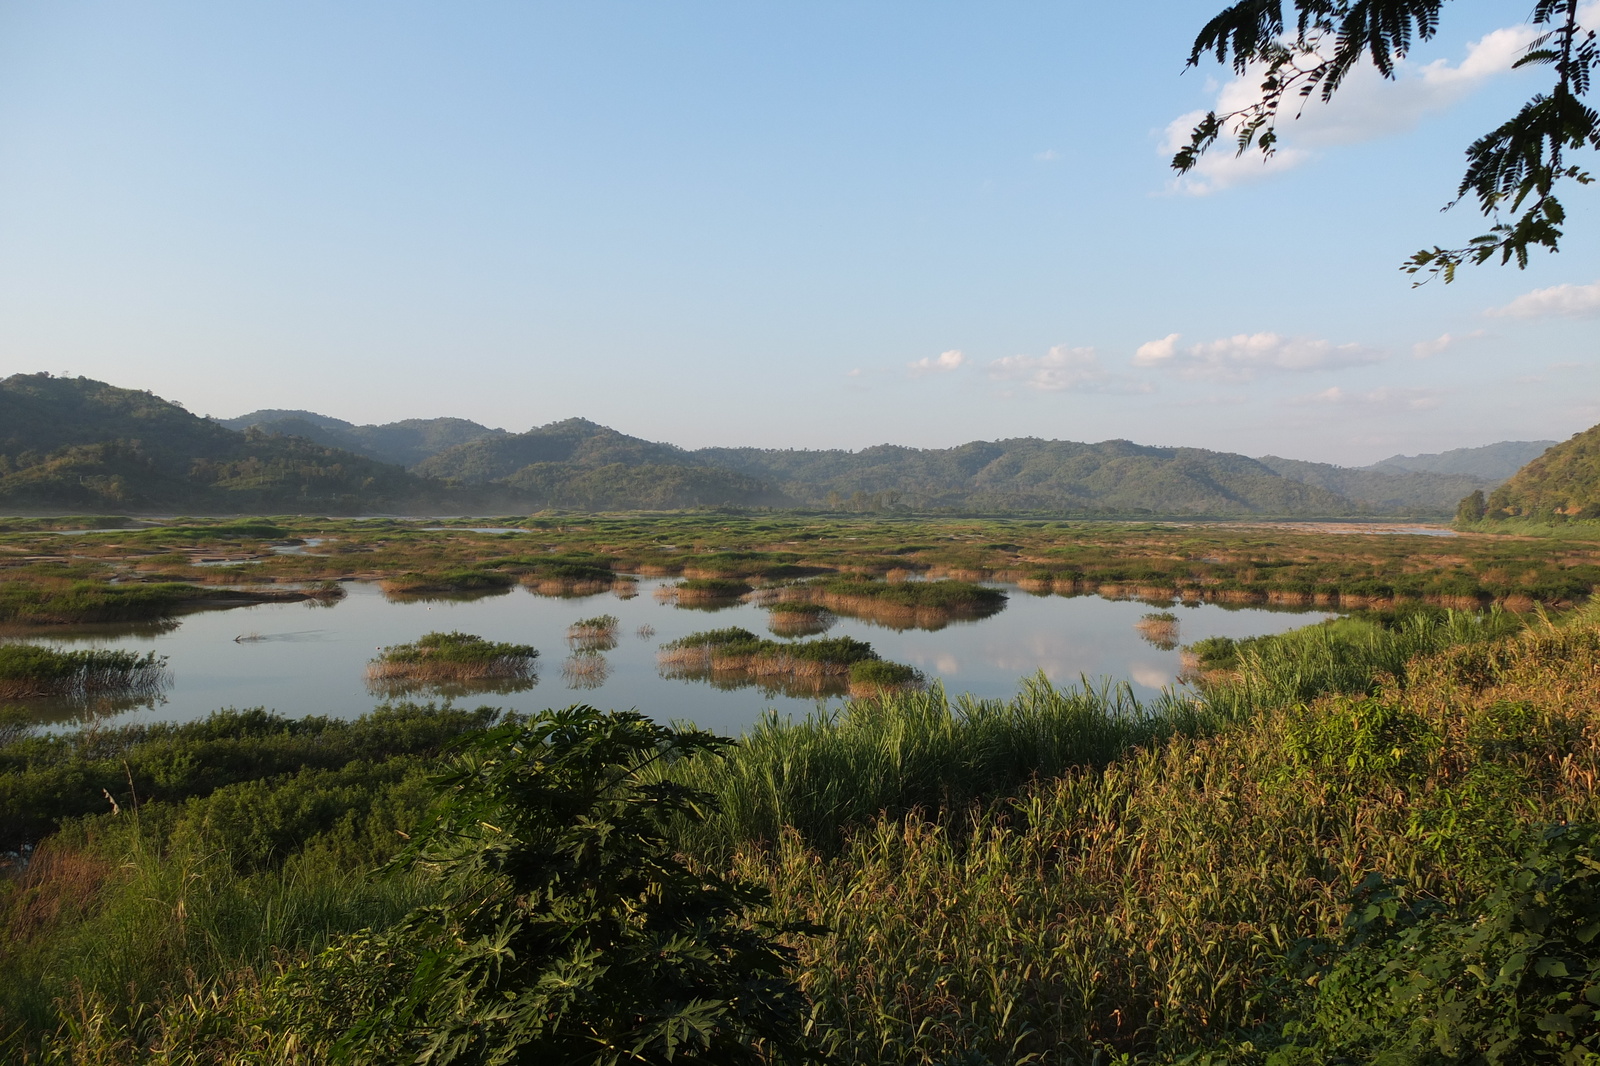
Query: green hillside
pixel 1392 490
pixel 82 445
pixel 404 443
pixel 1563 483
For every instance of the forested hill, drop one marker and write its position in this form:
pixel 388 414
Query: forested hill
pixel 1028 474
pixel 1562 483
pixel 404 443
pixel 1491 462
pixel 1024 474
pixel 1397 491
pixel 82 445
pixel 76 444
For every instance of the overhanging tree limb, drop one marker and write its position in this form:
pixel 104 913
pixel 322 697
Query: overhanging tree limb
pixel 1512 171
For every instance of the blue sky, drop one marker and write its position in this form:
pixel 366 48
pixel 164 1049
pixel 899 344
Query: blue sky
pixel 776 224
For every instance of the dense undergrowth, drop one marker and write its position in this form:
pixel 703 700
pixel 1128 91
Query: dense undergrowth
pixel 1244 875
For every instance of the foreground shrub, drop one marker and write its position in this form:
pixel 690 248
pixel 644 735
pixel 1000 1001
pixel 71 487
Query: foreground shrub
pixel 570 931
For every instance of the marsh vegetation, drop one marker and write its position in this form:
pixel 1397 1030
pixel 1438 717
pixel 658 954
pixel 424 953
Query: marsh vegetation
pixel 30 671
pixel 452 659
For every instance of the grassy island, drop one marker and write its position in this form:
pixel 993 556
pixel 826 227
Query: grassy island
pixel 798 618
pixel 825 665
pixel 451 658
pixel 898 604
pixel 448 582
pixel 594 634
pixel 698 591
pixel 30 671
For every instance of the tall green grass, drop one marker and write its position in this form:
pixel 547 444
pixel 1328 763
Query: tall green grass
pixel 831 773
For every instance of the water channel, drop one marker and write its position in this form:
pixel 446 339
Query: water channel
pixel 300 659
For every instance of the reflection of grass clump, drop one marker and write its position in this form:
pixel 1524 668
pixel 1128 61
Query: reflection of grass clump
pixel 452 657
pixel 585 670
pixel 28 670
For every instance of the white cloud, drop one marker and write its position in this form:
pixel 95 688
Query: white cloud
pixel 853 373
pixel 1575 301
pixel 1156 353
pixel 1048 155
pixel 1245 355
pixel 1061 369
pixel 1444 341
pixel 943 363
pixel 1366 107
pixel 1413 399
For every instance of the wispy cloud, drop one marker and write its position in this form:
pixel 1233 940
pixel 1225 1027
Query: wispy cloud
pixel 1443 342
pixel 1572 301
pixel 942 363
pixel 1367 107
pixel 1245 356
pixel 1062 369
pixel 1413 399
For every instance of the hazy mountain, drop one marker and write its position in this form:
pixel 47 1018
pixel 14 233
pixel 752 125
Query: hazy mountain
pixel 85 445
pixel 77 444
pixel 1565 480
pixel 1015 475
pixel 1028 474
pixel 1492 462
pixel 1384 492
pixel 575 441
pixel 405 443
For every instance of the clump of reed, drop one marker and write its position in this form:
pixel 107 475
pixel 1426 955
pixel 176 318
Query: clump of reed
pixel 900 604
pixel 874 678
pixel 1159 628
pixel 594 634
pixel 708 590
pixel 447 582
pixel 736 654
pixel 458 658
pixel 30 671
pixel 645 631
pixel 798 618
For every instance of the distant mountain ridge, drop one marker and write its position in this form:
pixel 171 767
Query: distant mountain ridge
pixel 78 444
pixel 85 445
pixel 404 443
pixel 1491 462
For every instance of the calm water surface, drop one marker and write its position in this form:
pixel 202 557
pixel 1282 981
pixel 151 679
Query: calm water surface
pixel 299 659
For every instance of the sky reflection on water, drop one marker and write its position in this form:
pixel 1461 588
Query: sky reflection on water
pixel 302 660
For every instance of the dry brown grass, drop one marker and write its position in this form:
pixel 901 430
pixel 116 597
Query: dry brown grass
pixel 57 883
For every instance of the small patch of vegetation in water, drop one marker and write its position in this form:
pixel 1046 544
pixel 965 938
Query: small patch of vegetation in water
pixel 798 618
pixel 461 658
pixel 594 634
pixel 30 671
pixel 448 581
pixel 1159 628
pixel 733 654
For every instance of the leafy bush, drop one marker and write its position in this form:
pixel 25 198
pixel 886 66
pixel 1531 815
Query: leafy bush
pixel 1514 979
pixel 571 933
